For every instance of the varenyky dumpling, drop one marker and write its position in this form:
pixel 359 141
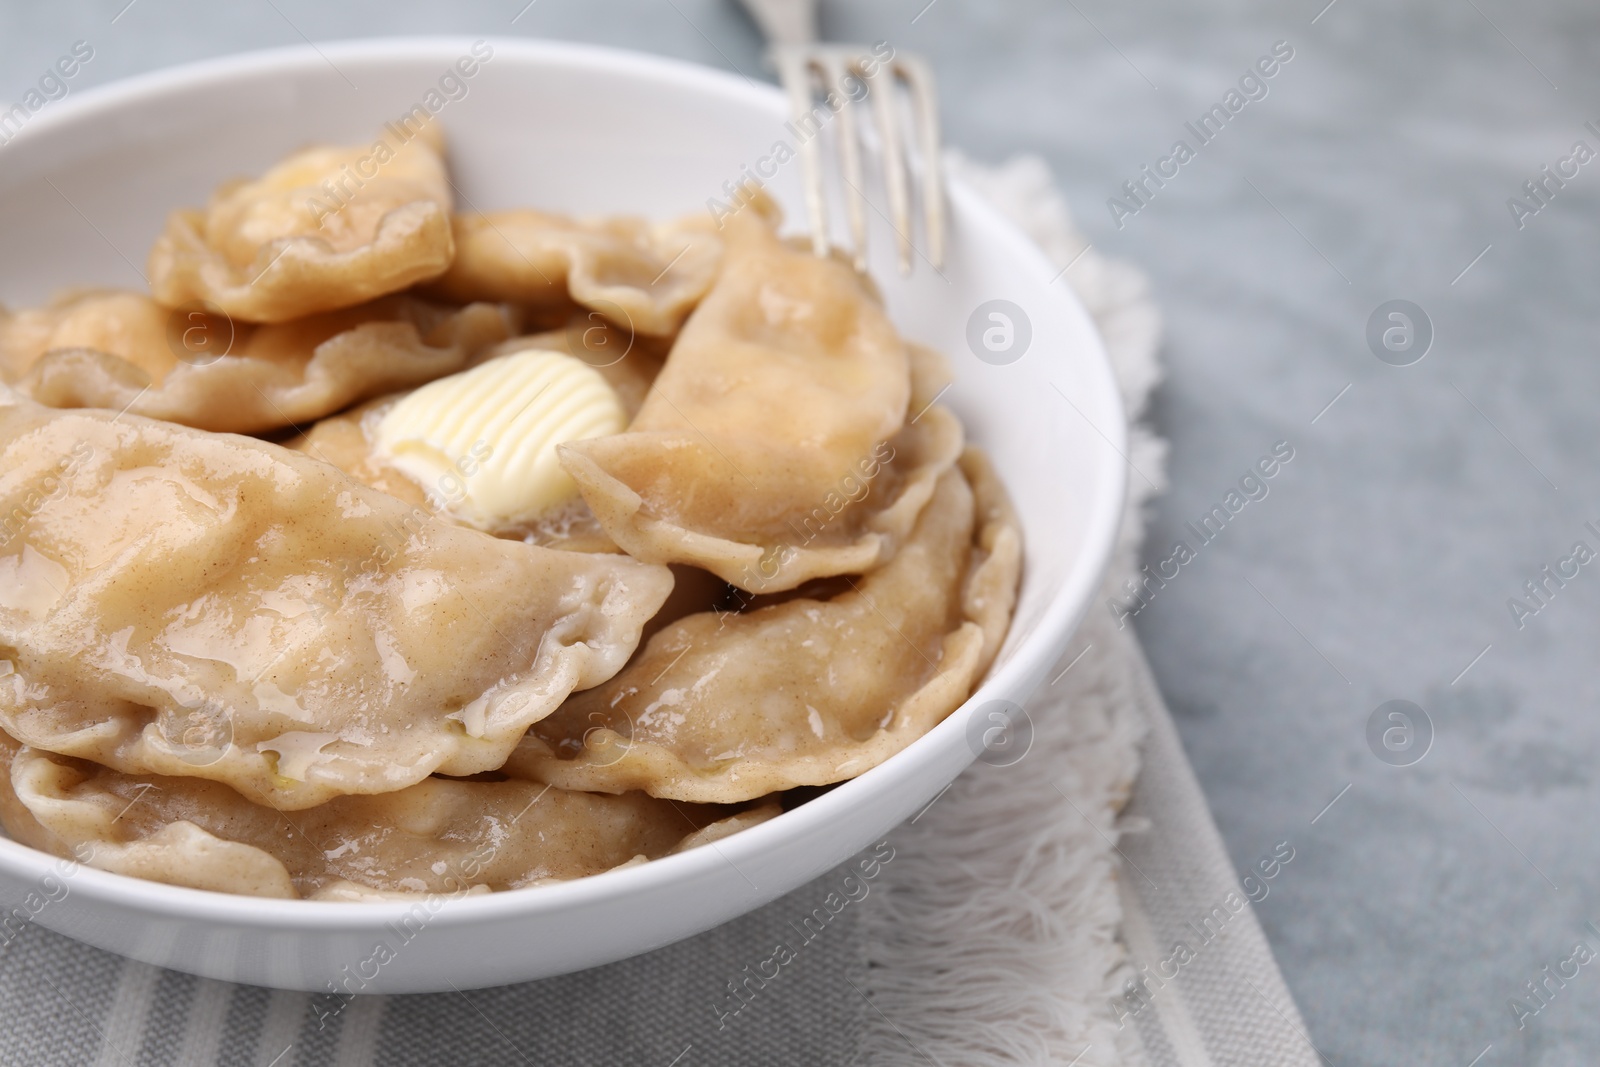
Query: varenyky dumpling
pixel 779 402
pixel 124 351
pixel 184 603
pixel 438 836
pixel 647 277
pixel 727 707
pixel 326 228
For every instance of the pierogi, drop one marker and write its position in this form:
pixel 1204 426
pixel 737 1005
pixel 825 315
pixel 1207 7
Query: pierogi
pixel 724 707
pixel 644 278
pixel 124 351
pixel 439 836
pixel 327 228
pixel 561 544
pixel 782 392
pixel 321 637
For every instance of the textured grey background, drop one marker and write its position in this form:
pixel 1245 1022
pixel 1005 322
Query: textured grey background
pixel 1377 168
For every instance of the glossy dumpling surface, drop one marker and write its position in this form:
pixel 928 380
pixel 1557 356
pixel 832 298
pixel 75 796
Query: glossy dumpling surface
pixel 126 352
pixel 721 707
pixel 185 603
pixel 757 452
pixel 327 228
pixel 440 836
pixel 644 277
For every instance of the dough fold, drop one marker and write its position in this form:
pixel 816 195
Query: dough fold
pixel 757 453
pixel 440 836
pixel 125 352
pixel 644 278
pixel 725 707
pixel 326 228
pixel 183 603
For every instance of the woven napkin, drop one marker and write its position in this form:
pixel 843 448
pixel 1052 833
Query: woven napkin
pixel 994 934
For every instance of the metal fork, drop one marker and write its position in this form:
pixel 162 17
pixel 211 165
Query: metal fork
pixel 803 65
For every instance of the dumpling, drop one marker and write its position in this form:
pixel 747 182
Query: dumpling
pixel 326 228
pixel 124 351
pixel 757 453
pixel 645 277
pixel 128 325
pixel 184 603
pixel 439 836
pixel 721 708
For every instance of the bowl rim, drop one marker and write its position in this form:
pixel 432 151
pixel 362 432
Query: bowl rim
pixel 1028 661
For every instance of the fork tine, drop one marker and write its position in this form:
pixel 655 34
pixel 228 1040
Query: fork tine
pixel 919 79
pixel 882 84
pixel 794 69
pixel 850 157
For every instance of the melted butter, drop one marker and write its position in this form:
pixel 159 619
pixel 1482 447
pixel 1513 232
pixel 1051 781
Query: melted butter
pixel 206 629
pixel 474 717
pixel 284 603
pixel 422 590
pixel 352 508
pixel 395 667
pixel 483 443
pixel 815 720
pixel 272 699
pixel 297 751
pixel 31 582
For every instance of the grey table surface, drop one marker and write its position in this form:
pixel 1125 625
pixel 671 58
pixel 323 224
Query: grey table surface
pixel 1377 167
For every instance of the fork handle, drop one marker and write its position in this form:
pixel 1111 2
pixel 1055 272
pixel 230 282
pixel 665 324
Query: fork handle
pixel 785 21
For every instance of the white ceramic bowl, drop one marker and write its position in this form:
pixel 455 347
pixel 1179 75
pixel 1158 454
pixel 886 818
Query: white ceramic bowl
pixel 83 192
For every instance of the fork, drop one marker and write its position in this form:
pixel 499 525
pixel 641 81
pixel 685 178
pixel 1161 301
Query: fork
pixel 803 64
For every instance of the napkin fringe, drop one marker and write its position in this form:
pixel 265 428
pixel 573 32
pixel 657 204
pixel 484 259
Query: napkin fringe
pixel 996 941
